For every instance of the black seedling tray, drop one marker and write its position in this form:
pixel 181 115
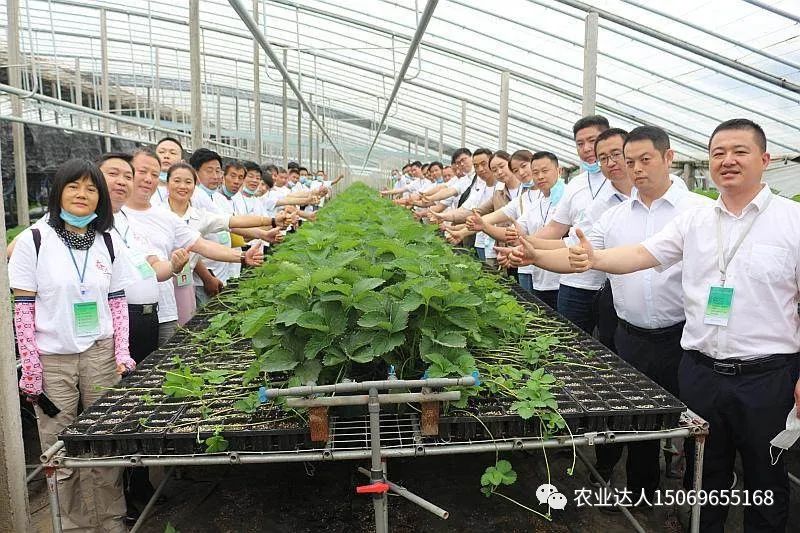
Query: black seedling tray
pixel 609 396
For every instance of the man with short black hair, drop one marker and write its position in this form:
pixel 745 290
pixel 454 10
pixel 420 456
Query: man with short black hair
pixel 170 151
pixel 741 286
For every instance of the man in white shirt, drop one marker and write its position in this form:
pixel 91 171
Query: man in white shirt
pixel 741 287
pixel 649 304
pixel 170 151
pixel 577 292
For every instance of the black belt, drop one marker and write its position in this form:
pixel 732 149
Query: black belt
pixel 645 332
pixel 143 309
pixel 738 367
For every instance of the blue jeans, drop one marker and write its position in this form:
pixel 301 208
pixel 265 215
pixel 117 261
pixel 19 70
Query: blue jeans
pixel 481 253
pixel 577 305
pixel 525 281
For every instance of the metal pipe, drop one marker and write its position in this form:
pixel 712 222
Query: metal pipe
pixel 156 89
pixel 252 25
pixel 195 74
pixel 463 123
pixel 51 451
pixel 590 64
pixel 684 45
pixel 34 473
pixel 773 9
pixel 441 138
pixel 376 471
pixel 52 492
pixel 423 24
pixel 413 498
pixel 635 523
pixel 360 386
pixel 503 116
pixel 699 448
pixel 719 36
pixel 257 148
pixel 285 114
pixel 149 507
pixel 337 401
pixel 106 108
pixel 360 454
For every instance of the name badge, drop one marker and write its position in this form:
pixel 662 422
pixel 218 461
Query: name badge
pixel 224 238
pixel 718 309
pixel 145 270
pixel 184 277
pixel 86 320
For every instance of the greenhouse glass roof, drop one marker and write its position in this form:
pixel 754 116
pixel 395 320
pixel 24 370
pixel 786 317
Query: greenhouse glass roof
pixel 345 55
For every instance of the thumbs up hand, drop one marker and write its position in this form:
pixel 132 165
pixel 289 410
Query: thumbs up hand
pixel 581 257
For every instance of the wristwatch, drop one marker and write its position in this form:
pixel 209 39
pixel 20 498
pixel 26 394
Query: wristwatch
pixel 242 259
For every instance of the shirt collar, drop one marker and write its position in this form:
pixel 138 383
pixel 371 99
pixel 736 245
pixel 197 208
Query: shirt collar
pixel 672 196
pixel 758 203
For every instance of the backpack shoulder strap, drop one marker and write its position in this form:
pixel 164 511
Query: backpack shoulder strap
pixel 37 239
pixel 109 245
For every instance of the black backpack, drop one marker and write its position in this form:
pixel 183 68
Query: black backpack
pixel 37 242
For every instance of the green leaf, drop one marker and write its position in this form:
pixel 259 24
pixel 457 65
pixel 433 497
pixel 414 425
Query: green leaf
pixel 463 299
pixel 216 443
pixel 366 284
pixel 254 319
pixel 372 319
pixel 411 302
pixel 384 342
pixel 452 339
pixel 312 320
pixel 315 345
pixel 323 274
pixel 308 371
pixel 278 360
pixel 333 358
pixel 215 377
pixel 248 404
pixel 170 529
pixel 288 316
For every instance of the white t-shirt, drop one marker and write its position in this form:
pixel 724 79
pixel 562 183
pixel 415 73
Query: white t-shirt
pixel 222 270
pixel 481 192
pixel 270 199
pixel 54 278
pixel 575 209
pixel 202 200
pixel 160 196
pixel 145 289
pixel 166 233
pixel 647 299
pixel 204 222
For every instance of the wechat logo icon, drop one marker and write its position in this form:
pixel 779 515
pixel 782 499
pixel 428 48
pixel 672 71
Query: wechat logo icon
pixel 547 493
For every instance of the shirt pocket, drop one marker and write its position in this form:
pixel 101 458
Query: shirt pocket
pixel 768 263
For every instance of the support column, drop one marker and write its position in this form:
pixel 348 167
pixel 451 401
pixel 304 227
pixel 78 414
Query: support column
pixel 78 96
pixel 688 174
pixel 590 64
pixel 219 116
pixel 299 118
pixel 13 488
pixel 194 64
pixel 17 129
pixel 256 93
pixel 106 108
pixel 310 136
pixel 157 93
pixel 285 114
pixel 441 138
pixel 463 123
pixel 503 133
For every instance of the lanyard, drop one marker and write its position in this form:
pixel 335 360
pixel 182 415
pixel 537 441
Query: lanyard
pixel 594 194
pixel 81 273
pixel 123 237
pixel 544 214
pixel 723 260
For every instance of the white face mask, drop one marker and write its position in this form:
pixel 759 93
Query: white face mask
pixel 786 438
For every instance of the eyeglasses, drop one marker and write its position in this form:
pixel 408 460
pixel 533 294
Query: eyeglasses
pixel 463 160
pixel 612 157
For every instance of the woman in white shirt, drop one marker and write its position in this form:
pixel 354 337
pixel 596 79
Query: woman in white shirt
pixel 181 182
pixel 69 276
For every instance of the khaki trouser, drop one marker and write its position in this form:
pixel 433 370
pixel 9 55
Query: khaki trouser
pixel 90 499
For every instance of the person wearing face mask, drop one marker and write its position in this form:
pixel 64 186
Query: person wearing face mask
pixel 170 151
pixel 166 232
pixel 577 292
pixel 68 275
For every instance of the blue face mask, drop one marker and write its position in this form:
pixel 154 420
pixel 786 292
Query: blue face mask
pixel 557 191
pixel 248 192
pixel 208 191
pixel 303 180
pixel 592 168
pixel 290 184
pixel 439 180
pixel 75 220
pixel 162 177
pixel 228 194
pixel 525 186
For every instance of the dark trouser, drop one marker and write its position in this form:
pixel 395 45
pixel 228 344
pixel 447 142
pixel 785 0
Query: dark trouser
pixel 577 305
pixel 606 316
pixel 143 337
pixel 481 253
pixel 548 297
pixel 745 412
pixel 657 354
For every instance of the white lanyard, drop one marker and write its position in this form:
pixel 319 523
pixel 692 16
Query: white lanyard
pixel 545 214
pixel 127 229
pixel 722 259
